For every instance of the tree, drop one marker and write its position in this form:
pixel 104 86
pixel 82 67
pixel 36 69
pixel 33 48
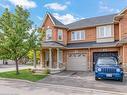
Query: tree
pixel 31 55
pixel 38 37
pixel 15 40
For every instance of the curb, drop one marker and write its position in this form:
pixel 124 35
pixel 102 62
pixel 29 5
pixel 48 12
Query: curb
pixel 9 79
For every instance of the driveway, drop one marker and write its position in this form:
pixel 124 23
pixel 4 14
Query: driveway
pixel 85 80
pixel 16 87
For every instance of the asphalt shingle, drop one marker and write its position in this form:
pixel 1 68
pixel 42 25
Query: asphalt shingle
pixel 57 22
pixel 91 44
pixel 89 22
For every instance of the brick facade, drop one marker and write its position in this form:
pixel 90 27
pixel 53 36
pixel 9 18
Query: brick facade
pixel 120 32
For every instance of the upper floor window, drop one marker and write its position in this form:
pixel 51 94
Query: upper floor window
pixel 78 35
pixel 60 35
pixel 48 34
pixel 104 31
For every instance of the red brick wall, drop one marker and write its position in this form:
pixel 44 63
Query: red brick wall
pixel 124 49
pixel 88 52
pixel 123 26
pixel 90 34
pixel 125 54
pixel 116 31
pixel 49 23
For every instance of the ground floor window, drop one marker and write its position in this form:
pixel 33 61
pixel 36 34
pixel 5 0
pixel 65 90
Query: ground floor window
pixel 61 56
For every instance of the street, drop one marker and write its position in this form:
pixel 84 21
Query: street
pixel 16 87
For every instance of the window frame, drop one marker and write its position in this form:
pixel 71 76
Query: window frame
pixel 77 35
pixel 60 33
pixel 51 34
pixel 104 34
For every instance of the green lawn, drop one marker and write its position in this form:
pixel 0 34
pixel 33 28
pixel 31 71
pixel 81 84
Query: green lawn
pixel 24 75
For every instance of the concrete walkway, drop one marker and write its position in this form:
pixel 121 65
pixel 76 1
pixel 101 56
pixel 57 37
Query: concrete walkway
pixel 16 87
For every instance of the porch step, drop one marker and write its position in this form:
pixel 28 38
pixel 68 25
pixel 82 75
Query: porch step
pixel 56 70
pixel 38 71
pixel 47 70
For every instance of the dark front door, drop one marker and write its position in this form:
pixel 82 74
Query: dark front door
pixel 96 55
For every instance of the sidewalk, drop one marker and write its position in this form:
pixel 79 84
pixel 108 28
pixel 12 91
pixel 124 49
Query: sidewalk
pixel 5 68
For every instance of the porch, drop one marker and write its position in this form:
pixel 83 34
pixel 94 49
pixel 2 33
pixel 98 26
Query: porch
pixel 51 57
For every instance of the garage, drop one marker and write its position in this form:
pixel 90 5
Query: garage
pixel 96 55
pixel 77 62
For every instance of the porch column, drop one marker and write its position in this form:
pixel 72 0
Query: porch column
pixel 58 57
pixel 50 57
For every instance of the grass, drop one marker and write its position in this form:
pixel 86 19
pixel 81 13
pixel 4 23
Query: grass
pixel 24 75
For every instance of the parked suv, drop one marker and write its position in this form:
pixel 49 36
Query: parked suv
pixel 108 68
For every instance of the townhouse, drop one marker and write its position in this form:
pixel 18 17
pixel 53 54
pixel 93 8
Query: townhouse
pixel 77 46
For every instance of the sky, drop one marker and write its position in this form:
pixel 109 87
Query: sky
pixel 66 11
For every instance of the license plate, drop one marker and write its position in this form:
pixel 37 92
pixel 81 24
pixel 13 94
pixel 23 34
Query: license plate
pixel 108 75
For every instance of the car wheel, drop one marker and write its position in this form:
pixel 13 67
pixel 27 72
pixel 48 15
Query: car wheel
pixel 121 80
pixel 96 78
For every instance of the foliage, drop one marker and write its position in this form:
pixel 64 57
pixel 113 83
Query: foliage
pixel 31 55
pixel 15 40
pixel 24 74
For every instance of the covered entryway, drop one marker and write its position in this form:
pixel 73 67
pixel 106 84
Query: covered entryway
pixel 96 55
pixel 77 62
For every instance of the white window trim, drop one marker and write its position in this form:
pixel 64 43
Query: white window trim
pixel 104 33
pixel 51 35
pixel 60 30
pixel 80 35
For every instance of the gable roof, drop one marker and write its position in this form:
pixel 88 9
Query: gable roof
pixel 56 22
pixel 120 15
pixel 125 9
pixel 89 22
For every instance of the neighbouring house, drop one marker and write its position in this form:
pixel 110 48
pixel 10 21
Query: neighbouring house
pixel 76 46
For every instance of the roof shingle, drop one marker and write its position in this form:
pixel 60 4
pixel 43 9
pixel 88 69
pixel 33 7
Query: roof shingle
pixel 91 44
pixel 89 22
pixel 57 22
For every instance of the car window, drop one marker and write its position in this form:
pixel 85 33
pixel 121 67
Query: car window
pixel 106 61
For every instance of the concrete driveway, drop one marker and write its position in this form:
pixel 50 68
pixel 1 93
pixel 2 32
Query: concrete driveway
pixel 85 80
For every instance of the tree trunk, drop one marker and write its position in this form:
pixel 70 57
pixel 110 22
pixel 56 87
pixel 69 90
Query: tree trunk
pixel 35 61
pixel 17 67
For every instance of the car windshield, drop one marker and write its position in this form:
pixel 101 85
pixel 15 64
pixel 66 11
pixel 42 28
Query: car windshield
pixel 107 61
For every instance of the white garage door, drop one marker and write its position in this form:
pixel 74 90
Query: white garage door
pixel 77 62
